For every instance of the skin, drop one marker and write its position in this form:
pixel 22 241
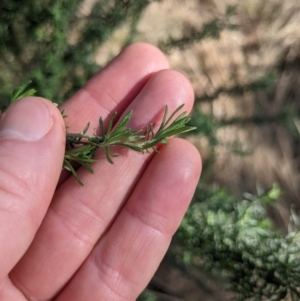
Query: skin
pixel 105 240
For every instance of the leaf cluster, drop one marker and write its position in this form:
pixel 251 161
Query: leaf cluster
pixel 81 147
pixel 237 240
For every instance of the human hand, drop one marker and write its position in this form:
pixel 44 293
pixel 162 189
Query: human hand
pixel 105 240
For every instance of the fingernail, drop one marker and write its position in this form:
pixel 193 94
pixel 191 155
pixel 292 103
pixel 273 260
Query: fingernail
pixel 27 119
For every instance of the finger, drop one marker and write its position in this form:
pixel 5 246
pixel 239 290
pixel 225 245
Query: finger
pixel 32 141
pixel 113 88
pixel 8 291
pixel 80 215
pixel 126 258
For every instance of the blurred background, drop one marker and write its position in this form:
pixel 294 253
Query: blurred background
pixel 240 238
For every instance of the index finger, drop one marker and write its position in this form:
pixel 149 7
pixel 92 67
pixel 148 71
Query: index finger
pixel 114 87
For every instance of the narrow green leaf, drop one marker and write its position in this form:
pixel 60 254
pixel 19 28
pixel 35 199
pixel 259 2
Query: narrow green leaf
pixel 108 155
pixel 162 125
pixel 68 166
pixel 87 166
pixel 174 113
pixel 110 125
pixel 85 129
pixel 123 122
pixel 22 91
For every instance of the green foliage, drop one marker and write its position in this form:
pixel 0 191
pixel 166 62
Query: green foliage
pixel 237 240
pixel 43 47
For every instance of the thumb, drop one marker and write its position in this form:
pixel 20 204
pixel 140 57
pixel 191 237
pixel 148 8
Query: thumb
pixel 32 143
